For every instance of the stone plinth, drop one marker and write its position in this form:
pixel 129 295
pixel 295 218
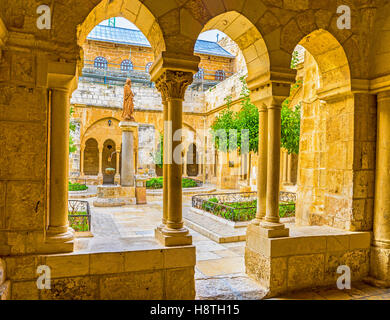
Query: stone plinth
pixel 114 196
pixel 308 258
pixel 129 129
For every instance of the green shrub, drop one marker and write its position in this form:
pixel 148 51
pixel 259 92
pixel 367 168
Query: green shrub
pixel 157 183
pixel 243 211
pixel 76 187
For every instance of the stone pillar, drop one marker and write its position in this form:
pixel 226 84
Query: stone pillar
pixel 284 166
pixel 128 169
pixel 271 225
pixel 262 165
pixel 82 150
pixel 380 254
pixel 100 174
pixel 289 169
pixel 118 170
pixel 59 237
pixel 173 84
pixel 185 164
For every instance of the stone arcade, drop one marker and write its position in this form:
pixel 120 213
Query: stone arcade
pixel 344 176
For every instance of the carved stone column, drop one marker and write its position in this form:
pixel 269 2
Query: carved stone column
pixel 271 223
pixel 380 254
pixel 82 150
pixel 162 87
pixel 118 170
pixel 262 164
pixel 174 84
pixel 59 236
pixel 100 174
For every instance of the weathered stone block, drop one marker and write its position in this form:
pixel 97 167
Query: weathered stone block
pixel 179 284
pixel 305 271
pixel 132 286
pixel 73 288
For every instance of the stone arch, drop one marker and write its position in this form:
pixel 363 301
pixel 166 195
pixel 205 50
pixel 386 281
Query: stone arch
pixel 327 138
pixel 134 11
pixel 96 128
pixel 91 157
pixel 380 44
pixel 332 61
pixel 247 36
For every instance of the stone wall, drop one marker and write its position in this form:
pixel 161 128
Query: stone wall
pixel 139 274
pixel 146 97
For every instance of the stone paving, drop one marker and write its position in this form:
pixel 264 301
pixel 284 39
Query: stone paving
pixel 220 269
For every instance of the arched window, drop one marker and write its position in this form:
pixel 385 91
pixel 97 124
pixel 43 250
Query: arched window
pixel 100 63
pixel 219 75
pixel 126 65
pixel 200 74
pixel 148 65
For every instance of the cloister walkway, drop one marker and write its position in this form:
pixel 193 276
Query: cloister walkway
pixel 220 268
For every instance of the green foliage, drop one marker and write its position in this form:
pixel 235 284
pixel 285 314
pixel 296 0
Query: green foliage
pixel 157 183
pixel 243 211
pixel 76 187
pixel 72 128
pixel 294 60
pixel 247 119
pixel 158 156
pixel 291 128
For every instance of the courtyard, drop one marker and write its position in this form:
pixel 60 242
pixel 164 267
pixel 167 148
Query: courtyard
pixel 194 150
pixel 220 267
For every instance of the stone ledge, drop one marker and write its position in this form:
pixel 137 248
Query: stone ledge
pixel 146 270
pixel 308 258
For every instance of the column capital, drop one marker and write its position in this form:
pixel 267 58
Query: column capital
pixel 172 84
pixel 62 75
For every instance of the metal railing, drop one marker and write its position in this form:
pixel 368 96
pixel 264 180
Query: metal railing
pixel 239 206
pixel 79 215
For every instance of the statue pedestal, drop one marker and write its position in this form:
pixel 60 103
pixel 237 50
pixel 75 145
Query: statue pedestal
pixel 114 196
pixel 129 128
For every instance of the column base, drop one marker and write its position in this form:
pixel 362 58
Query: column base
pixel 58 242
pixel 172 237
pixel 273 230
pixel 117 179
pixel 380 265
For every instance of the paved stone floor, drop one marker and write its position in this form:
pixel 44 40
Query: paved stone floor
pixel 220 269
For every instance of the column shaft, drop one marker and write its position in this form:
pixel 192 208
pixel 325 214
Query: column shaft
pixel 289 168
pixel 175 220
pixel 101 161
pixel 262 165
pixel 82 150
pixel 382 183
pixel 127 172
pixel 165 165
pixel 273 174
pixel 118 154
pixel 58 228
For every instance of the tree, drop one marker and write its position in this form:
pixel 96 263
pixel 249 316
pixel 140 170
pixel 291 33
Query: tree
pixel 72 129
pixel 248 119
pixel 291 127
pixel 231 125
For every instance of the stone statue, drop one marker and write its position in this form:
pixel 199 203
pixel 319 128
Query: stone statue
pixel 128 102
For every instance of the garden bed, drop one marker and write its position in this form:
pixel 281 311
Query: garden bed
pixel 79 215
pixel 239 207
